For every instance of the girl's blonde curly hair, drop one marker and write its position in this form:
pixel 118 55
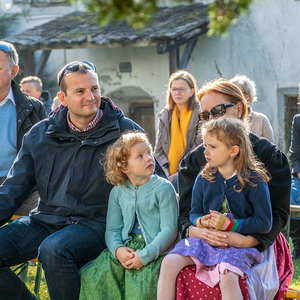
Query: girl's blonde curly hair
pixel 117 156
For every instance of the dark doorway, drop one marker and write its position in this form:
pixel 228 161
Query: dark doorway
pixel 143 114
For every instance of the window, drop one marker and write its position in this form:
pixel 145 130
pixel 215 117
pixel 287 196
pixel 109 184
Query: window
pixel 291 108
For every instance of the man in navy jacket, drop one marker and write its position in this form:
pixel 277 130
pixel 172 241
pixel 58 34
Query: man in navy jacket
pixel 63 157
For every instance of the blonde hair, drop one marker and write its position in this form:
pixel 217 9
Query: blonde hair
pixel 35 80
pixel 190 80
pixel 229 90
pixel 118 154
pixel 247 86
pixel 233 132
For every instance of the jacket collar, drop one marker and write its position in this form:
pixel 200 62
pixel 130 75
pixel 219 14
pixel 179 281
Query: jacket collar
pixel 58 126
pixel 21 99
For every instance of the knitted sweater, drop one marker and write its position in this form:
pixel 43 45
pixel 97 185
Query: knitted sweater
pixel 251 207
pixel 155 205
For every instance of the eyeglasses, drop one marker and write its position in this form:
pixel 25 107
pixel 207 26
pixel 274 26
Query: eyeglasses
pixel 217 111
pixel 5 48
pixel 180 90
pixel 74 67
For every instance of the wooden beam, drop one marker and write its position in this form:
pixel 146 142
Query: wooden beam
pixel 167 44
pixel 173 60
pixel 29 69
pixel 186 56
pixel 42 62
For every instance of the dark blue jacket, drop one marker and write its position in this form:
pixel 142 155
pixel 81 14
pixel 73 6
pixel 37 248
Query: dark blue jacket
pixel 251 207
pixel 46 100
pixel 66 170
pixel 29 112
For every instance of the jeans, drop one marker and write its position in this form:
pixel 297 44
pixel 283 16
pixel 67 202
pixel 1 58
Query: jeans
pixel 295 191
pixel 62 250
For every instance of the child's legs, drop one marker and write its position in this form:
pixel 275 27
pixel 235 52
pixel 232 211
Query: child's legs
pixel 172 264
pixel 229 285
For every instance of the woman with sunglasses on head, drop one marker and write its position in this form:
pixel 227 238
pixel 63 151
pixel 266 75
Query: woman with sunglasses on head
pixel 178 124
pixel 219 98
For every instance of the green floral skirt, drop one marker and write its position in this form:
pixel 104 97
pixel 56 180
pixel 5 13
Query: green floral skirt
pixel 105 278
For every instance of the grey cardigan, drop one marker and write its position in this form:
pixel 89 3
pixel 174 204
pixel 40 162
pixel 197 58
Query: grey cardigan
pixel 193 137
pixel 260 125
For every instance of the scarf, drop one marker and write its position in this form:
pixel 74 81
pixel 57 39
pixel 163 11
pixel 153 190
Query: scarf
pixel 178 137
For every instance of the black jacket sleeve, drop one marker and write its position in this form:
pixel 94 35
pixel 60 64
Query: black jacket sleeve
pixel 279 186
pixel 189 169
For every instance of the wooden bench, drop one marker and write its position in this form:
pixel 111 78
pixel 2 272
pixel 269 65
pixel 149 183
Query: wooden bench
pixel 294 211
pixel 292 294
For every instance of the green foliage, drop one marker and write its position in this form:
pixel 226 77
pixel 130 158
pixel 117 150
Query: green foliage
pixel 43 294
pixel 6 20
pixel 296 277
pixel 223 13
pixel 138 13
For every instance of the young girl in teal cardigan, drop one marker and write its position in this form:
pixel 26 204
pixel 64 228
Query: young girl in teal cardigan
pixel 141 225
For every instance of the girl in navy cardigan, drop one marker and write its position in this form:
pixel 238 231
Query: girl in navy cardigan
pixel 141 225
pixel 230 193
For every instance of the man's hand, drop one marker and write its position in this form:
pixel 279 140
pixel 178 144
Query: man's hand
pixel 124 254
pixel 134 263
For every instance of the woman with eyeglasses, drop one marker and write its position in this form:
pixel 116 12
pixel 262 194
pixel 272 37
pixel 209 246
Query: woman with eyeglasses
pixel 259 123
pixel 178 123
pixel 218 98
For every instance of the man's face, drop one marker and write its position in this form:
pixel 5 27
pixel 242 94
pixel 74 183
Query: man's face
pixel 29 88
pixel 7 73
pixel 83 97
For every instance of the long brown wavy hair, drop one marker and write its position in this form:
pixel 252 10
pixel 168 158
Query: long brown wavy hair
pixel 233 132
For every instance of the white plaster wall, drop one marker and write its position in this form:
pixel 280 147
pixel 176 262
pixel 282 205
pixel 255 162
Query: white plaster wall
pixel 263 45
pixel 150 71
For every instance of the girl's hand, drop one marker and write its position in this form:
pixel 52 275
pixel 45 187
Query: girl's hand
pixel 134 263
pixel 215 218
pixel 205 221
pixel 124 254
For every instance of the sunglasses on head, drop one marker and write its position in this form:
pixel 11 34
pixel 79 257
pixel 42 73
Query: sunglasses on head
pixel 74 67
pixel 5 48
pixel 217 111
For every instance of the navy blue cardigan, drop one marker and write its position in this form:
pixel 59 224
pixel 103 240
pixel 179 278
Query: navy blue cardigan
pixel 279 186
pixel 251 207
